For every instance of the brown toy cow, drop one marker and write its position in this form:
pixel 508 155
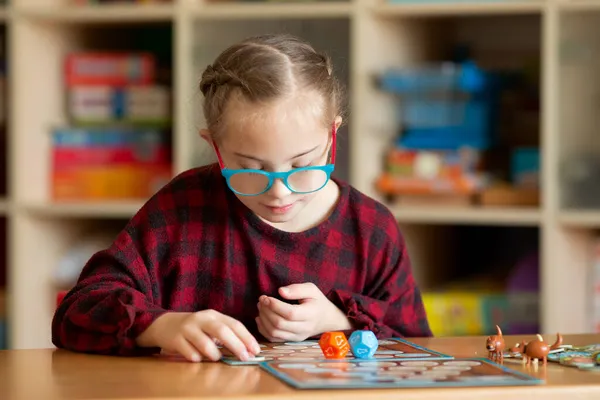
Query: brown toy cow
pixel 495 345
pixel 537 349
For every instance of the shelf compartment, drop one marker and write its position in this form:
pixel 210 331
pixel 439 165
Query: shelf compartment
pixel 262 10
pixel 578 147
pixel 34 285
pixel 50 43
pixel 456 265
pixel 509 46
pixel 109 13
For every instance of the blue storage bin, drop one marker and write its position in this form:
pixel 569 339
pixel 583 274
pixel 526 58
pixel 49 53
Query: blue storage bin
pixel 445 106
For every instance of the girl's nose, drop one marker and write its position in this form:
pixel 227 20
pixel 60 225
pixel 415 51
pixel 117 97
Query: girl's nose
pixel 279 189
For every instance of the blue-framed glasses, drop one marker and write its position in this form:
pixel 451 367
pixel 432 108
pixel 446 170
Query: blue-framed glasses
pixel 254 182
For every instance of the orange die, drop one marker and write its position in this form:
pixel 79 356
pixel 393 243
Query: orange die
pixel 334 344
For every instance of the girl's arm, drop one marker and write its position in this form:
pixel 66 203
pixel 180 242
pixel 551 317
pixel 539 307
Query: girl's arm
pixel 117 295
pixel 392 304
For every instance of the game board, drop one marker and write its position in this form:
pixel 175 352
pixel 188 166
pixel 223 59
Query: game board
pixel 373 374
pixel 389 349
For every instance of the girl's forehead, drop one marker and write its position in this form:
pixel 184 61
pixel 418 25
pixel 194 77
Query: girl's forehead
pixel 284 123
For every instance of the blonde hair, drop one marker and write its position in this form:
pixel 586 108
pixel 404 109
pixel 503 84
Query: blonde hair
pixel 264 68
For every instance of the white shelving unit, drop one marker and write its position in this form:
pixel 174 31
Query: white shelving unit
pixel 364 37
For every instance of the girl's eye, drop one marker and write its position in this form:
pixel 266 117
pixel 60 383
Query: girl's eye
pixel 303 164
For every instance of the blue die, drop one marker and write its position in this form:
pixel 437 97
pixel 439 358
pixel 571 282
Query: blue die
pixel 363 344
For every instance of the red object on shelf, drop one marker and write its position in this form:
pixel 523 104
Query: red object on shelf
pixel 113 69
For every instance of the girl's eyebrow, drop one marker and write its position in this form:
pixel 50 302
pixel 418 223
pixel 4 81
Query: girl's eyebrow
pixel 259 160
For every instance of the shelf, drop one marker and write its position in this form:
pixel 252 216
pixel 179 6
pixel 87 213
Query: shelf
pixel 103 14
pixel 583 219
pixel 4 206
pixel 468 216
pixel 578 5
pixel 268 10
pixel 86 210
pixel 4 13
pixel 459 9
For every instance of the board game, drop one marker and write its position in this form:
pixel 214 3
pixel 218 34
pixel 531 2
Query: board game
pixel 371 374
pixel 309 351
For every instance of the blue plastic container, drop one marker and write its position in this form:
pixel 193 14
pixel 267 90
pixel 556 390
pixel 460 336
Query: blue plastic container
pixel 445 106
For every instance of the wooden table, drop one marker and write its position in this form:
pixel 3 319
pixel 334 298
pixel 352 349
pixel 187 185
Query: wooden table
pixel 55 374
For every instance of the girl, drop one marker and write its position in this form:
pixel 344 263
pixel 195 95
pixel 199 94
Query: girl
pixel 263 245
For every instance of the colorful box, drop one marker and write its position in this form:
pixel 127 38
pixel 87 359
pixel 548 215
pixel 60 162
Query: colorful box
pixel 108 68
pixel 121 182
pixel 465 313
pixel 105 164
pixel 477 312
pixel 413 172
pixel 94 104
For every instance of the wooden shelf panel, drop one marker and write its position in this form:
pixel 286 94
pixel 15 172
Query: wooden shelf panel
pixel 468 216
pixel 583 219
pixel 459 8
pixel 86 210
pixel 270 10
pixel 4 206
pixel 578 5
pixel 106 13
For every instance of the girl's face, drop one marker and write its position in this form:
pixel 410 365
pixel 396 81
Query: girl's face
pixel 276 138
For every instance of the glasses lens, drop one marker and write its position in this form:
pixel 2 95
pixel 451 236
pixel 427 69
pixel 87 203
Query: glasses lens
pixel 307 180
pixel 248 183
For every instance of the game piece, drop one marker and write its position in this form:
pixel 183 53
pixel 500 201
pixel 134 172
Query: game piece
pixel 334 344
pixel 586 357
pixel 495 345
pixel 251 361
pixel 363 344
pixel 375 374
pixel 537 349
pixel 309 350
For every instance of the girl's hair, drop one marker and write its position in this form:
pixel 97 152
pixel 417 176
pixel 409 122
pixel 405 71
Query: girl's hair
pixel 264 68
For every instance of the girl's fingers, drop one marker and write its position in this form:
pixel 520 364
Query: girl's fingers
pixel 203 344
pixel 263 332
pixel 278 322
pixel 243 334
pixel 187 350
pixel 222 332
pixel 277 334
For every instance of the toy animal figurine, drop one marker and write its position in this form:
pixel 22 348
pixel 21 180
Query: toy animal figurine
pixel 495 345
pixel 537 349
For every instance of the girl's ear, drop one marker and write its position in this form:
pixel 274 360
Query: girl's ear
pixel 338 122
pixel 205 134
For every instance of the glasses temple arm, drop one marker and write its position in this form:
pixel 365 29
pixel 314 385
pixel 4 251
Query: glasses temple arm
pixel 333 134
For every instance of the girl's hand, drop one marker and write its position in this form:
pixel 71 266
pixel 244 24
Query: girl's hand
pixel 279 321
pixel 195 335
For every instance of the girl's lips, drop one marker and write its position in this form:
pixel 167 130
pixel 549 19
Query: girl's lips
pixel 280 209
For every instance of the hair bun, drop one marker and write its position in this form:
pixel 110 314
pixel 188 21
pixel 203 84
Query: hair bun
pixel 208 79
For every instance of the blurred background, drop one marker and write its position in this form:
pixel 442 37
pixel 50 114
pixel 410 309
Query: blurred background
pixel 473 121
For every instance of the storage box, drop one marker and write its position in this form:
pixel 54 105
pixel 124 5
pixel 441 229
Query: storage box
pixel 105 164
pixel 148 105
pixel 444 106
pixel 120 182
pixel 476 312
pixel 106 68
